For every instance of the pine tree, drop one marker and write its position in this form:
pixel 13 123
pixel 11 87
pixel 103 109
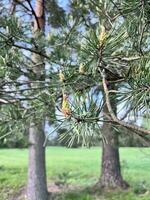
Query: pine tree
pixel 97 60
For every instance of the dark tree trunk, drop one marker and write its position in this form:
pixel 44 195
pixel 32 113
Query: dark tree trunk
pixel 37 184
pixel 110 170
pixel 37 187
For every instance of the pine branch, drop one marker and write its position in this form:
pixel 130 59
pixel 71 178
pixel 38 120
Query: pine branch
pixel 112 114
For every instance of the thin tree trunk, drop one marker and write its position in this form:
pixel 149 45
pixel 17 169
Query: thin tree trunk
pixel 37 184
pixel 110 170
pixel 37 187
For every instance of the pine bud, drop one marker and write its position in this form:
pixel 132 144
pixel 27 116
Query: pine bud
pixel 65 106
pixel 102 36
pixel 7 29
pixel 49 37
pixel 81 68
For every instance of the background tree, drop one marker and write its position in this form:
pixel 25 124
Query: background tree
pixel 37 183
pixel 23 80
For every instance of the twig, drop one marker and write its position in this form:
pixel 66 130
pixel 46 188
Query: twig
pixel 3 136
pixel 12 7
pixel 21 3
pixel 33 12
pixel 3 101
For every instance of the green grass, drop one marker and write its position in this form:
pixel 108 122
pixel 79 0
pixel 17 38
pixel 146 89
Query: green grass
pixel 78 167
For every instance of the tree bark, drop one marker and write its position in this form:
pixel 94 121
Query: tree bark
pixel 110 170
pixel 37 184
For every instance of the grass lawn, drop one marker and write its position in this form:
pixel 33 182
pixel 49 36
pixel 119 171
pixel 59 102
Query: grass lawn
pixel 77 167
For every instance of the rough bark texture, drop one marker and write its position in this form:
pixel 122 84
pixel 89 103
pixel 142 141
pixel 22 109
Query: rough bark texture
pixel 111 172
pixel 37 185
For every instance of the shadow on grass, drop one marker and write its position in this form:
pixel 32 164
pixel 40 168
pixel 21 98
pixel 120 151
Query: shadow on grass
pixel 91 193
pixel 61 190
pixel 74 194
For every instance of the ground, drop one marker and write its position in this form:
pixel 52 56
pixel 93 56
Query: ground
pixel 71 172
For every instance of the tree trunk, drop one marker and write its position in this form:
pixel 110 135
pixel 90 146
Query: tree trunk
pixel 37 187
pixel 37 184
pixel 110 170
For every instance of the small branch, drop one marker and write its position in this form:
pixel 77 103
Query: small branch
pixel 141 38
pixel 31 50
pixel 21 3
pixel 15 100
pixel 3 136
pixel 34 14
pixel 3 101
pixel 12 7
pixel 116 6
pixel 113 116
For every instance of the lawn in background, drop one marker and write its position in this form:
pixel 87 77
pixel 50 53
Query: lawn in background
pixel 77 167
